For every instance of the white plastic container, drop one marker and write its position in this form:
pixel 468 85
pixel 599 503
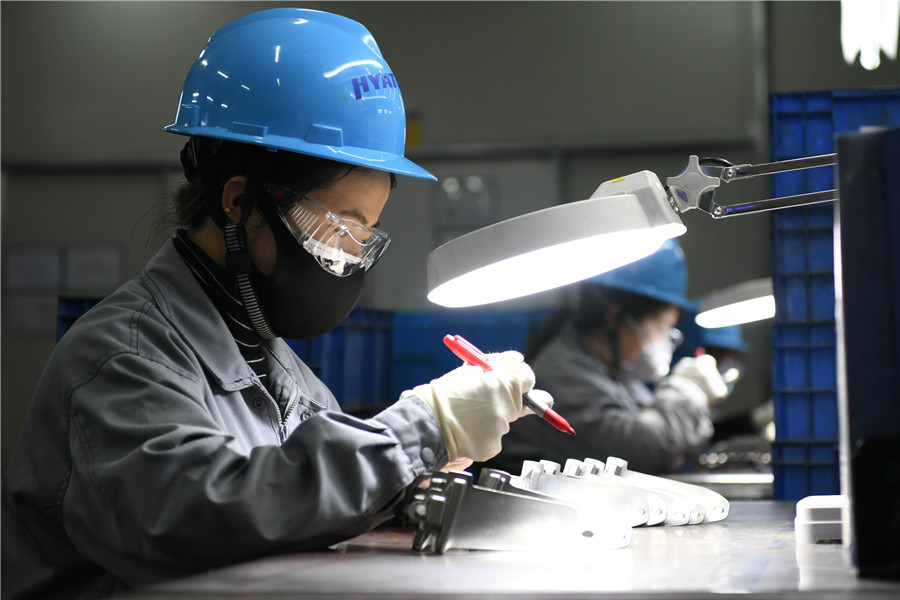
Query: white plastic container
pixel 819 520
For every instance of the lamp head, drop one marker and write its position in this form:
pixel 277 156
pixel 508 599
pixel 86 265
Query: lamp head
pixel 624 220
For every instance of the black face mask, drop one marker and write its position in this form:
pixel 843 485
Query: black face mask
pixel 299 298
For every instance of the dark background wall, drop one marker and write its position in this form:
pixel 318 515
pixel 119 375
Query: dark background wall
pixel 543 100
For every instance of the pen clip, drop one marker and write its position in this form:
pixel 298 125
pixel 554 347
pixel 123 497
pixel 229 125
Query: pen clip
pixel 466 351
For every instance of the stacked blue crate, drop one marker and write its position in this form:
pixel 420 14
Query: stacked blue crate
pixel 68 310
pixel 373 355
pixel 805 452
pixel 419 351
pixel 354 359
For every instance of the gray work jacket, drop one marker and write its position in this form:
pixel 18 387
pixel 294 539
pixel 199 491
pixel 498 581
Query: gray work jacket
pixel 655 432
pixel 151 451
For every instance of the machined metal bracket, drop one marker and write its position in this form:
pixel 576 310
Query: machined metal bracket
pixel 611 487
pixel 454 513
pixel 702 504
pixel 591 490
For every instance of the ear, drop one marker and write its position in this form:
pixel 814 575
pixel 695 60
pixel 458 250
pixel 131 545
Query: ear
pixel 232 197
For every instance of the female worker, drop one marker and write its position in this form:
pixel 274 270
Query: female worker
pixel 173 430
pixel 599 362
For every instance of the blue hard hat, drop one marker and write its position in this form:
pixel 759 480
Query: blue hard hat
pixel 299 80
pixel 662 276
pixel 723 337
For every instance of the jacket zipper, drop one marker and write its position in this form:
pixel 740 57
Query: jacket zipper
pixel 292 404
pixel 282 417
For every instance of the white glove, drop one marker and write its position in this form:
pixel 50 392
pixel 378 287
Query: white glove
pixel 698 379
pixel 474 408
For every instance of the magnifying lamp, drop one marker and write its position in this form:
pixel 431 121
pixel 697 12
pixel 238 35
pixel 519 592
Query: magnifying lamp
pixel 624 220
pixel 737 304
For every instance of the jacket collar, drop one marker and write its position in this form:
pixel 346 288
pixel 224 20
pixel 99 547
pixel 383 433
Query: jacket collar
pixel 185 304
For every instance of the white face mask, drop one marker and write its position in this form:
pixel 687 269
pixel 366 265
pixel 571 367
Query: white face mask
pixel 653 364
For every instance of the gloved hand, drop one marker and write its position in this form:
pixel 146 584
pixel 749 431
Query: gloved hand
pixel 698 379
pixel 474 408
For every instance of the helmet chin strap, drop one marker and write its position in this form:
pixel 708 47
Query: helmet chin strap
pixel 612 334
pixel 197 158
pixel 238 262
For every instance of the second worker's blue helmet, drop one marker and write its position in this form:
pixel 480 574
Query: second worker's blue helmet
pixel 662 276
pixel 729 338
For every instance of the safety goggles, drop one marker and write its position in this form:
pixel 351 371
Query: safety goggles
pixel 654 331
pixel 341 246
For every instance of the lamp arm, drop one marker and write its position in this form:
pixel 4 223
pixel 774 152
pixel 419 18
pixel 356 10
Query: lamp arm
pixel 719 211
pixel 695 187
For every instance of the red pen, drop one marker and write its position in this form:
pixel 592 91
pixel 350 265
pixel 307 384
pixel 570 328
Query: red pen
pixel 464 349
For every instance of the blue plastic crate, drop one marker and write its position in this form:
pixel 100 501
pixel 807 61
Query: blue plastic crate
pixel 805 467
pixel 419 351
pixel 804 298
pixel 805 452
pixel 806 123
pixel 354 359
pixel 68 310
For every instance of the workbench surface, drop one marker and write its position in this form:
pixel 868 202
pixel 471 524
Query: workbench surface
pixel 752 551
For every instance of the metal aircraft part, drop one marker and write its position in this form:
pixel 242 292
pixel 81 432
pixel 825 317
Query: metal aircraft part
pixel 713 505
pixel 597 492
pixel 454 513
pixel 586 506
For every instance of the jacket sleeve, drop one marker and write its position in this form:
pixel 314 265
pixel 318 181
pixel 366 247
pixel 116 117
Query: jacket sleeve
pixel 156 491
